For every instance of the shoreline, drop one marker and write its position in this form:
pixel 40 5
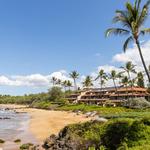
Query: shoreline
pixel 43 123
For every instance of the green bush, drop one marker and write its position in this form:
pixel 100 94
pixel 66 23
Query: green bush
pixel 55 94
pixel 116 134
pixel 140 103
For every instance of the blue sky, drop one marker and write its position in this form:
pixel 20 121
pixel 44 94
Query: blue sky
pixel 45 36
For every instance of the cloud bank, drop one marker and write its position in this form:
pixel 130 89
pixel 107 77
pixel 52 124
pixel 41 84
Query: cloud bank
pixel 40 81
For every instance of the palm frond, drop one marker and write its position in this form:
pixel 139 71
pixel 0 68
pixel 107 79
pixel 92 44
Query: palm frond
pixel 122 17
pixel 145 31
pixel 116 31
pixel 130 9
pixel 138 4
pixel 125 46
pixel 147 4
pixel 144 13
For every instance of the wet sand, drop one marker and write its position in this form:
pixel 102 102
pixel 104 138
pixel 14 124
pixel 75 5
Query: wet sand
pixel 43 123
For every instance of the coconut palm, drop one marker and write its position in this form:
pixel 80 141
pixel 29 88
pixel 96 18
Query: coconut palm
pixel 125 83
pixel 120 76
pixel 74 75
pixel 64 84
pixel 132 20
pixel 140 79
pixel 102 77
pixel 113 76
pixel 53 80
pixel 129 68
pixel 69 84
pixel 87 82
pixel 58 82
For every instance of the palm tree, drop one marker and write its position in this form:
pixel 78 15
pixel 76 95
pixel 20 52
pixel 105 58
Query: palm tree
pixel 88 82
pixel 64 84
pixel 113 75
pixel 74 75
pixel 120 76
pixel 129 68
pixel 69 84
pixel 58 82
pixel 125 82
pixel 53 80
pixel 140 80
pixel 102 77
pixel 132 20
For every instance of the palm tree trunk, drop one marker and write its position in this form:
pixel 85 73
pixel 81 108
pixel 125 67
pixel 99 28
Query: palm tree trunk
pixel 131 83
pixel 143 61
pixel 101 87
pixel 116 87
pixel 75 85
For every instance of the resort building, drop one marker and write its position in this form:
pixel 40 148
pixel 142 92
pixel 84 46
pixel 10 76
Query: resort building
pixel 100 96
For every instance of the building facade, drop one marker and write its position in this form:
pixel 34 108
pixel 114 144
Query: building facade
pixel 100 96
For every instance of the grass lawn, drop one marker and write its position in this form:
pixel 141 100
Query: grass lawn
pixel 108 112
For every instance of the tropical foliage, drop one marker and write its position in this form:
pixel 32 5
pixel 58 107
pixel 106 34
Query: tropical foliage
pixel 132 20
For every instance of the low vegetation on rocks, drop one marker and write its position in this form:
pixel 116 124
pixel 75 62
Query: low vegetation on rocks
pixel 116 134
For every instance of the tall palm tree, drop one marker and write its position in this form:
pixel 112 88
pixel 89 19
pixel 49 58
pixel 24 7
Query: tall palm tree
pixel 69 84
pixel 88 82
pixel 132 20
pixel 129 68
pixel 140 80
pixel 64 84
pixel 74 75
pixel 102 77
pixel 125 82
pixel 113 75
pixel 120 76
pixel 53 80
pixel 58 82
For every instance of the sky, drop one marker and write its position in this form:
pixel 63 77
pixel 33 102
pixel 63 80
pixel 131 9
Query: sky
pixel 44 38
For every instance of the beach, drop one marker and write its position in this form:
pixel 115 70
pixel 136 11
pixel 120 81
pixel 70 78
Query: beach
pixel 43 123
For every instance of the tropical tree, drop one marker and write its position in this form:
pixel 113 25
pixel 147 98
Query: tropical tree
pixel 69 84
pixel 58 82
pixel 102 77
pixel 125 83
pixel 64 84
pixel 129 68
pixel 87 82
pixel 113 75
pixel 74 75
pixel 140 80
pixel 120 76
pixel 53 80
pixel 132 20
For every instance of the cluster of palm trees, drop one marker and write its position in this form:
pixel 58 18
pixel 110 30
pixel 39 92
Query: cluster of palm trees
pixel 126 76
pixel 132 20
pixel 66 84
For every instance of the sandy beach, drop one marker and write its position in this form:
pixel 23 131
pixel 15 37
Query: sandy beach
pixel 43 123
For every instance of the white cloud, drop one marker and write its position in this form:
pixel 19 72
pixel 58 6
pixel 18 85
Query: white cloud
pixel 132 54
pixel 33 80
pixel 40 81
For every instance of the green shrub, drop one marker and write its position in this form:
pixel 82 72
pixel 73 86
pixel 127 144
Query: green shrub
pixel 55 94
pixel 26 146
pixel 116 133
pixel 140 103
pixel 41 104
